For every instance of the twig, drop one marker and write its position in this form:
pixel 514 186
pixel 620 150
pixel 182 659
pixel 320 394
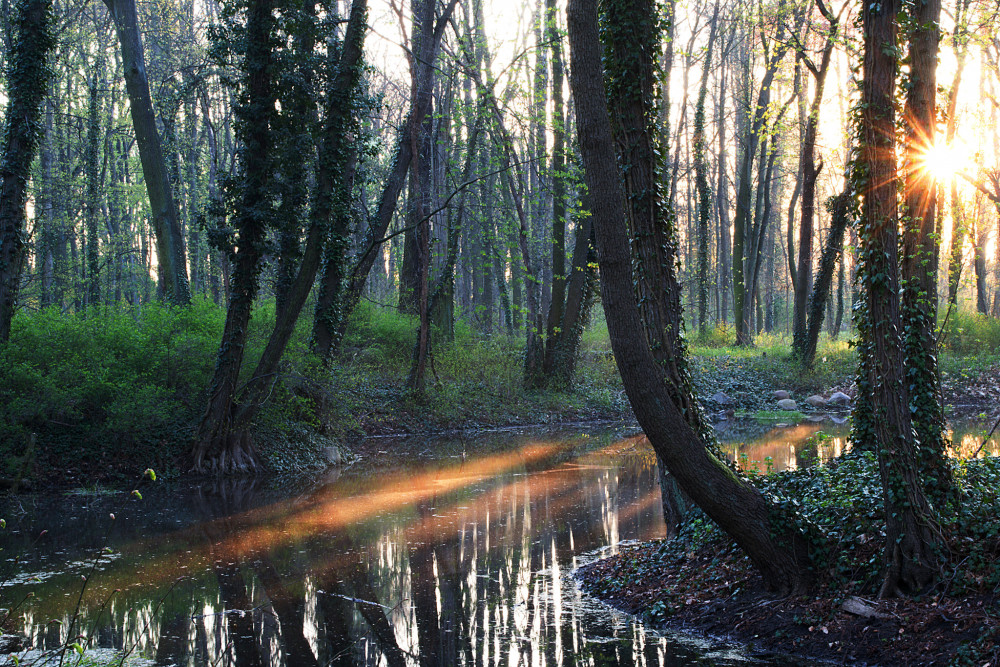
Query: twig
pixel 987 438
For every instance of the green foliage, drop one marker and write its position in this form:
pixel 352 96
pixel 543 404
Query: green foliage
pixel 96 386
pixel 721 335
pixel 968 333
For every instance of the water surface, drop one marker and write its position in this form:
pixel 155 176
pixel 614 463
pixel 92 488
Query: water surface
pixel 449 552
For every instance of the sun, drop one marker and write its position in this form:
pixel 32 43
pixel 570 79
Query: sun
pixel 945 161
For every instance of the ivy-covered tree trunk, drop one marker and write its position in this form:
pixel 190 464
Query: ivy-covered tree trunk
pixel 839 219
pixel 921 255
pixel 810 173
pixel 333 311
pixel 558 245
pixel 912 536
pixel 92 197
pixel 27 81
pixel 773 544
pixel 331 194
pixel 221 444
pixel 171 260
pixel 701 181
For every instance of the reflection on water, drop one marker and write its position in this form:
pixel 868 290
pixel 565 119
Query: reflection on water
pixel 461 560
pixel 787 447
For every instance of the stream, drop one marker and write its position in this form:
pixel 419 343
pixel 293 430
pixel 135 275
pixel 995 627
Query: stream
pixel 446 551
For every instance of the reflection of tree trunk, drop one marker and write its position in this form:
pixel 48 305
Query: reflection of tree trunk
pixel 424 584
pixel 290 609
pixel 240 626
pixel 172 640
pixel 385 636
pixel 214 503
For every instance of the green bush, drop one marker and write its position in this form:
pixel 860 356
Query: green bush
pixel 97 384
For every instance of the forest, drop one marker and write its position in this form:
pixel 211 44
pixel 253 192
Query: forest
pixel 243 240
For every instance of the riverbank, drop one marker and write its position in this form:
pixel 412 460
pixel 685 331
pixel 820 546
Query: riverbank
pixel 106 394
pixel 702 582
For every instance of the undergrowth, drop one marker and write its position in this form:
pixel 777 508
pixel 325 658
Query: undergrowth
pixel 107 392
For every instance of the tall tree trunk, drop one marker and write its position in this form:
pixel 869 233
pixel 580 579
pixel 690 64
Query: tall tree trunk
pixel 558 245
pixel 920 256
pixel 912 537
pixel 701 180
pixel 91 200
pixel 221 444
pixel 27 82
pixel 170 253
pixel 331 194
pixel 810 173
pixel 330 322
pixel 781 555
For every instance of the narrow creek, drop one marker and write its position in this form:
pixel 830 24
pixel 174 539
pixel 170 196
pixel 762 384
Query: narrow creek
pixel 454 551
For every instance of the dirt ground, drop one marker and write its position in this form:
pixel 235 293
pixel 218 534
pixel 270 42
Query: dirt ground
pixel 724 598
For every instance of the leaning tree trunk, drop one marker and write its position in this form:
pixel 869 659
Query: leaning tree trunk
pixel 27 82
pixel 334 311
pixel 912 538
pixel 777 549
pixel 169 238
pixel 822 286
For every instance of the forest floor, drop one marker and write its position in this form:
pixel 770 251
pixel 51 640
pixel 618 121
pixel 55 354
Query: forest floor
pixel 701 582
pixel 719 595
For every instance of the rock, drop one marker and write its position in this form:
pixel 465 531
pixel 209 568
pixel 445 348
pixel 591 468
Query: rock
pixel 816 401
pixel 858 607
pixel 720 398
pixel 335 455
pixel 840 398
pixel 781 395
pixel 788 404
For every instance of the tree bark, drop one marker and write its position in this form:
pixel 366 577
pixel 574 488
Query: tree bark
pixel 222 445
pixel 839 219
pixel 912 537
pixel 170 255
pixel 920 255
pixel 27 82
pixel 810 172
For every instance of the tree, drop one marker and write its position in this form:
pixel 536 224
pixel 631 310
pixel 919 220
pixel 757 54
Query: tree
pixel 171 259
pixel 220 446
pixel 223 439
pixel 27 82
pixel 701 180
pixel 810 173
pixel 776 547
pixel 912 537
pixel 920 258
